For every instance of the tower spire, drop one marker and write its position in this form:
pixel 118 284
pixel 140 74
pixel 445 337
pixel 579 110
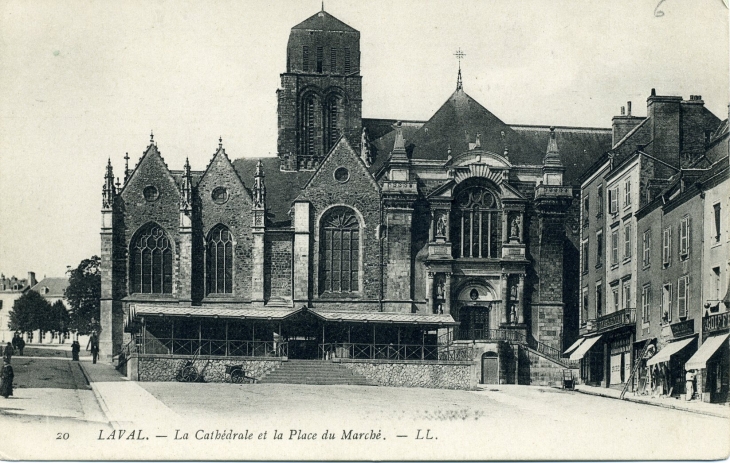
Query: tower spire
pixel 186 192
pixel 259 189
pixel 459 55
pixel 107 193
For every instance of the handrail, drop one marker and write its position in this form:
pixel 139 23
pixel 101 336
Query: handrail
pixel 214 347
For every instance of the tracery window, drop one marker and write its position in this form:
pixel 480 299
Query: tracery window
pixel 219 261
pixel 340 251
pixel 476 224
pixel 151 262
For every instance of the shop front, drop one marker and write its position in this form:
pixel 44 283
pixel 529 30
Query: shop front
pixel 712 359
pixel 667 366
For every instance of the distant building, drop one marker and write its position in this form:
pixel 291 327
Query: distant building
pixel 52 290
pixel 10 290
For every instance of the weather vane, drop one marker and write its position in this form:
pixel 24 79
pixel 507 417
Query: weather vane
pixel 459 55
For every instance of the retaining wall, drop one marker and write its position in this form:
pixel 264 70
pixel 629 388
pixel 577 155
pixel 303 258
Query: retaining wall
pixel 441 375
pixel 165 367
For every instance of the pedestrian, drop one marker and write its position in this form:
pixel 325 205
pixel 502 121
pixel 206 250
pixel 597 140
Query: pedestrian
pixel 15 341
pixel 21 345
pixel 8 352
pixel 6 379
pixel 690 384
pixel 94 344
pixel 75 349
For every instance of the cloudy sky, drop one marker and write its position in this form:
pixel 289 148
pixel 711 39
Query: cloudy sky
pixel 81 81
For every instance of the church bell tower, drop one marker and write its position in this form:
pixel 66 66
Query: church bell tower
pixel 320 97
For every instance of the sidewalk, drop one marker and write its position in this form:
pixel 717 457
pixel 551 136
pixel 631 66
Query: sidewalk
pixel 124 402
pixel 694 406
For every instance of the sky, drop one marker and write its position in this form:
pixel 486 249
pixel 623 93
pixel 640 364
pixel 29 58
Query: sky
pixel 84 81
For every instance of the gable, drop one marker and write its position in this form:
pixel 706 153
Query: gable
pixel 223 195
pixel 342 178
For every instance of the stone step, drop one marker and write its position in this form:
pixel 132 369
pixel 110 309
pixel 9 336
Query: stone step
pixel 313 372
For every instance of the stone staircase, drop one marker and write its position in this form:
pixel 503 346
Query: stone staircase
pixel 313 372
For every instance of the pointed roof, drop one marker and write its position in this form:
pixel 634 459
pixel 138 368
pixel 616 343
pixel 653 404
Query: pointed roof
pixel 323 21
pixel 456 124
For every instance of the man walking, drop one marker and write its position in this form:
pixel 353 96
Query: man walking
pixel 94 343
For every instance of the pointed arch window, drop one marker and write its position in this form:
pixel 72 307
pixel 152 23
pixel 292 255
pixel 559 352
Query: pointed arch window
pixel 476 224
pixel 333 115
pixel 340 251
pixel 308 125
pixel 151 262
pixel 219 261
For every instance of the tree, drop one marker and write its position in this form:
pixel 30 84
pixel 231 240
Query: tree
pixel 29 313
pixel 84 295
pixel 59 319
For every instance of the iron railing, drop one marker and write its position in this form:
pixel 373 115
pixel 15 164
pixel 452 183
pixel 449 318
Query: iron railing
pixel 213 347
pixel 361 351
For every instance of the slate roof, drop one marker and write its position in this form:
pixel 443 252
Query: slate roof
pixel 461 117
pixel 281 187
pixel 56 287
pixel 323 21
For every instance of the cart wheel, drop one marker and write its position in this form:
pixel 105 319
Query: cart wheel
pixel 237 376
pixel 189 374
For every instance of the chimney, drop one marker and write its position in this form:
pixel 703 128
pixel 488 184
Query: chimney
pixel 695 131
pixel 665 117
pixel 31 279
pixel 624 123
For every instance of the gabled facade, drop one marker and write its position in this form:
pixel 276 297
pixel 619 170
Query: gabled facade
pixel 448 240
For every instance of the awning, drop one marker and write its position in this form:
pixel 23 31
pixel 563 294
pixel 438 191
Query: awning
pixel 387 317
pixel 670 349
pixel 574 346
pixel 282 313
pixel 212 312
pixel 584 347
pixel 703 354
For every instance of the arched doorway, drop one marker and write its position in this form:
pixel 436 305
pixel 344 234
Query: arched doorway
pixel 490 368
pixel 475 310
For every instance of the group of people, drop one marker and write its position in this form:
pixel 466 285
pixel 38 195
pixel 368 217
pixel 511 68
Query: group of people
pixel 659 381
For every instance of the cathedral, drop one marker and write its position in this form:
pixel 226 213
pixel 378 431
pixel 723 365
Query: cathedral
pixel 438 253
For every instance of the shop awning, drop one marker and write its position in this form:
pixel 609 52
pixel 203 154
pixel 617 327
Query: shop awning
pixel 703 354
pixel 386 317
pixel 584 347
pixel 670 349
pixel 574 346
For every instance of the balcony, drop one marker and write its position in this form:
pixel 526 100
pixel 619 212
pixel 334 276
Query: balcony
pixel 589 327
pixel 625 317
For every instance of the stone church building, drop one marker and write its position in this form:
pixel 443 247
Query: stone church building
pixel 443 250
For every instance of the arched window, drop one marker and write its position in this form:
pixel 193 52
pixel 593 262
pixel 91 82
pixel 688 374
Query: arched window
pixel 475 226
pixel 220 261
pixel 151 262
pixel 309 109
pixel 340 251
pixel 333 113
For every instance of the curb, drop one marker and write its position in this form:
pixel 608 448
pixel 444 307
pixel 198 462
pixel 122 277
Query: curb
pixel 662 405
pixel 99 398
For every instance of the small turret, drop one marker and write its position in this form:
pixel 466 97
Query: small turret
pixel 109 190
pixel 186 190
pixel 259 189
pixel 552 163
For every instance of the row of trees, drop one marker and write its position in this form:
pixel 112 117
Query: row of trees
pixel 32 312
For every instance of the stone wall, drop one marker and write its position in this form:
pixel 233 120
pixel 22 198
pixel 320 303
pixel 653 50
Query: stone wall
pixel 278 268
pixel 442 375
pixel 536 370
pixel 165 367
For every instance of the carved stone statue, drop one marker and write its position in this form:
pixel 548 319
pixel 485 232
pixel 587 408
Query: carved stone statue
pixel 515 232
pixel 513 314
pixel 440 290
pixel 441 225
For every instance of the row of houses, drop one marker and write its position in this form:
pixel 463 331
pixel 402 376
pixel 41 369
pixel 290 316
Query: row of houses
pixel 654 254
